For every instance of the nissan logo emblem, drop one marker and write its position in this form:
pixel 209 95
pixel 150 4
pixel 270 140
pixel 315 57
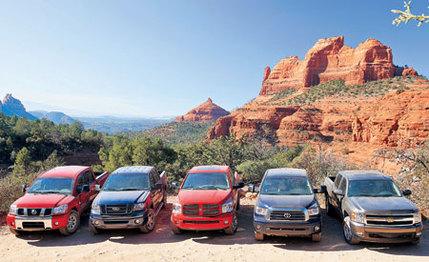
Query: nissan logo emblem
pixel 33 211
pixel 287 215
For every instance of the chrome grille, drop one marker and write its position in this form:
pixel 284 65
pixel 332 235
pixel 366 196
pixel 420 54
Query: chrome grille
pixel 116 209
pixel 191 210
pixel 34 211
pixel 287 215
pixel 201 210
pixel 390 220
pixel 211 210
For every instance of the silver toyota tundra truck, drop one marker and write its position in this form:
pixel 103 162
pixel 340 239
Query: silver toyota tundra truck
pixel 372 208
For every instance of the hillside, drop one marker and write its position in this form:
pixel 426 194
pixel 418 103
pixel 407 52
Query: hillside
pixel 353 117
pixel 58 118
pixel 180 132
pixel 11 106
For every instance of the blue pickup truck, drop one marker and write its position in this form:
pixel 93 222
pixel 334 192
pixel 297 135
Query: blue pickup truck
pixel 131 198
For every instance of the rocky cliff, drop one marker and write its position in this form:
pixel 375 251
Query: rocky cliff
pixel 338 96
pixel 206 111
pixel 13 107
pixel 329 59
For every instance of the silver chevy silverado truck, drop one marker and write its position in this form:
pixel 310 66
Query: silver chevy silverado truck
pixel 372 208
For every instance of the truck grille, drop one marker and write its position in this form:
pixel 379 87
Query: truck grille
pixel 116 209
pixel 390 220
pixel 289 215
pixel 206 210
pixel 34 211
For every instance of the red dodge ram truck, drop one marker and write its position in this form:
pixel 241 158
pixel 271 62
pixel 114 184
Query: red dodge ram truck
pixel 208 199
pixel 55 200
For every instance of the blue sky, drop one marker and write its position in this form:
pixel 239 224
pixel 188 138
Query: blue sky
pixel 157 58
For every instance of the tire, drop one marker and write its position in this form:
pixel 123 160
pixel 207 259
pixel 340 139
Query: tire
pixel 15 232
pixel 150 223
pixel 73 223
pixel 93 229
pixel 234 225
pixel 176 230
pixel 316 237
pixel 415 241
pixel 348 233
pixel 259 236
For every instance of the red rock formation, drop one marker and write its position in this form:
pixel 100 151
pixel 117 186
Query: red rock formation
pixel 329 59
pixel 205 112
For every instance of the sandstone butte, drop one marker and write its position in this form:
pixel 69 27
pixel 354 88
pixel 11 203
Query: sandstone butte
pixel 206 111
pixel 350 125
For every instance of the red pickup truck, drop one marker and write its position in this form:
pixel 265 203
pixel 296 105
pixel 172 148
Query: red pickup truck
pixel 55 200
pixel 208 199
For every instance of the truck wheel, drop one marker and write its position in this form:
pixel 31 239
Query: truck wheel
pixel 93 229
pixel 316 237
pixel 176 230
pixel 72 224
pixel 151 221
pixel 234 225
pixel 348 233
pixel 415 241
pixel 259 236
pixel 15 232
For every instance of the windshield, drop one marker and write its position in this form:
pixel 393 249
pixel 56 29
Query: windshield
pixel 50 185
pixel 127 182
pixel 206 181
pixel 373 188
pixel 286 185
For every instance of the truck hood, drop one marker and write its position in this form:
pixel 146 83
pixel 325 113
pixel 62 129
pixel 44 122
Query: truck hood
pixel 121 197
pixel 187 197
pixel 281 201
pixel 43 200
pixel 384 204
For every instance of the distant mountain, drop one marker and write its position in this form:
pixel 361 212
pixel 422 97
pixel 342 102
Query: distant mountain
pixel 11 106
pixel 206 111
pixel 114 125
pixel 58 118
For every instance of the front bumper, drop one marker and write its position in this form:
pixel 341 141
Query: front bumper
pixel 118 222
pixel 197 223
pixel 288 228
pixel 36 223
pixel 397 234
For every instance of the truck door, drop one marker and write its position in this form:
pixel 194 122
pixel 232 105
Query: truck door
pixel 84 197
pixel 156 190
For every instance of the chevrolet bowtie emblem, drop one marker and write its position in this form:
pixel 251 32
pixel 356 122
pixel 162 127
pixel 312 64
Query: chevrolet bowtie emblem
pixel 390 220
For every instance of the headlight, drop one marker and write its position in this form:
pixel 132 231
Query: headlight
pixel 139 206
pixel 417 217
pixel 228 206
pixel 177 208
pixel 60 210
pixel 13 210
pixel 358 217
pixel 313 209
pixel 95 209
pixel 262 211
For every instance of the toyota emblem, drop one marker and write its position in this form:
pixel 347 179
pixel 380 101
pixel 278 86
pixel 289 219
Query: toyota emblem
pixel 287 215
pixel 33 211
pixel 115 209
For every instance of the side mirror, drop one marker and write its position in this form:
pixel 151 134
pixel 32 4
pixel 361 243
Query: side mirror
pixel 406 192
pixel 97 188
pixel 174 185
pixel 338 192
pixel 322 189
pixel 238 185
pixel 24 188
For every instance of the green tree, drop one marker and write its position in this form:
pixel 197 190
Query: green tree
pixel 22 162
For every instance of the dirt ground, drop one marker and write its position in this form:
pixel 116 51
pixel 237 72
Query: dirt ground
pixel 162 245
